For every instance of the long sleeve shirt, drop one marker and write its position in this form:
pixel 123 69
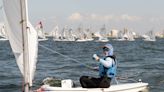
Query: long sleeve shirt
pixel 107 62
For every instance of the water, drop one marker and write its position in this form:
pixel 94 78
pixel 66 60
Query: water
pixel 137 60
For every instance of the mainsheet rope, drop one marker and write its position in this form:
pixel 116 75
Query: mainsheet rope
pixel 53 51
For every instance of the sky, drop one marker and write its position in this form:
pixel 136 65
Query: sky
pixel 136 15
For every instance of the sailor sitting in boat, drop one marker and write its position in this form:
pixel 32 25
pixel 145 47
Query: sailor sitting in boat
pixel 107 70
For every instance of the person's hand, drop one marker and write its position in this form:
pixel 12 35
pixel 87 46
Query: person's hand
pixel 96 57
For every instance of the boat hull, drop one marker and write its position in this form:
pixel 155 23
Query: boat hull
pixel 129 87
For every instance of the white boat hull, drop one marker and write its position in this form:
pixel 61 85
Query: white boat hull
pixel 129 87
pixel 63 40
pixel 152 40
pixel 84 40
pixel 3 39
pixel 43 39
pixel 124 39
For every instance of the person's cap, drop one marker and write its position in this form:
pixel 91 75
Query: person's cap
pixel 109 46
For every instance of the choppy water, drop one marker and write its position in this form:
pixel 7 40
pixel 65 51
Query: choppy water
pixel 137 60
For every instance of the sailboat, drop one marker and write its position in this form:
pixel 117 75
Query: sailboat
pixel 55 33
pixel 103 35
pixel 150 36
pixel 40 31
pixel 3 35
pixel 67 34
pixel 125 35
pixel 83 35
pixel 23 39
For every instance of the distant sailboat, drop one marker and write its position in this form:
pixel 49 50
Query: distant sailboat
pixel 150 36
pixel 3 35
pixel 103 35
pixel 125 35
pixel 55 33
pixel 88 34
pixel 67 34
pixel 83 35
pixel 40 31
pixel 23 39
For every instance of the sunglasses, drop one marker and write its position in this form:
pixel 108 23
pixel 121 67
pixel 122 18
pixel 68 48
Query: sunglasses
pixel 105 49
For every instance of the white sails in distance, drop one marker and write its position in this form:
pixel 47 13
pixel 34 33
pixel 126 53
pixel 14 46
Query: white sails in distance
pixel 22 37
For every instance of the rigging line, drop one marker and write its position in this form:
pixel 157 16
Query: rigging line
pixel 53 51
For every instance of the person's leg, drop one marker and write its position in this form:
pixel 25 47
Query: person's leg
pixel 105 82
pixel 89 82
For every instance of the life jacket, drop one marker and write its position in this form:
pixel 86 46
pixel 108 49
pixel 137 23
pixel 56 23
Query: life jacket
pixel 109 72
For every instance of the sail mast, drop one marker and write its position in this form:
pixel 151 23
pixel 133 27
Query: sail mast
pixel 22 37
pixel 25 44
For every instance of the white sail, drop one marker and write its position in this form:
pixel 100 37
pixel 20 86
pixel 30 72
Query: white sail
pixel 40 31
pixel 150 36
pixel 20 38
pixel 103 35
pixel 55 32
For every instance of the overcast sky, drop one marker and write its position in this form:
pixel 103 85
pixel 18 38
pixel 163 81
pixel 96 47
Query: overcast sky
pixel 137 15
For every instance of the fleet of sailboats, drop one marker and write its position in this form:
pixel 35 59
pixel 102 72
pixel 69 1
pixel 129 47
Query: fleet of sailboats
pixel 66 34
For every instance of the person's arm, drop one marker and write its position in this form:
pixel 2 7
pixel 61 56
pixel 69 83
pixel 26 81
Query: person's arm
pixel 107 63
